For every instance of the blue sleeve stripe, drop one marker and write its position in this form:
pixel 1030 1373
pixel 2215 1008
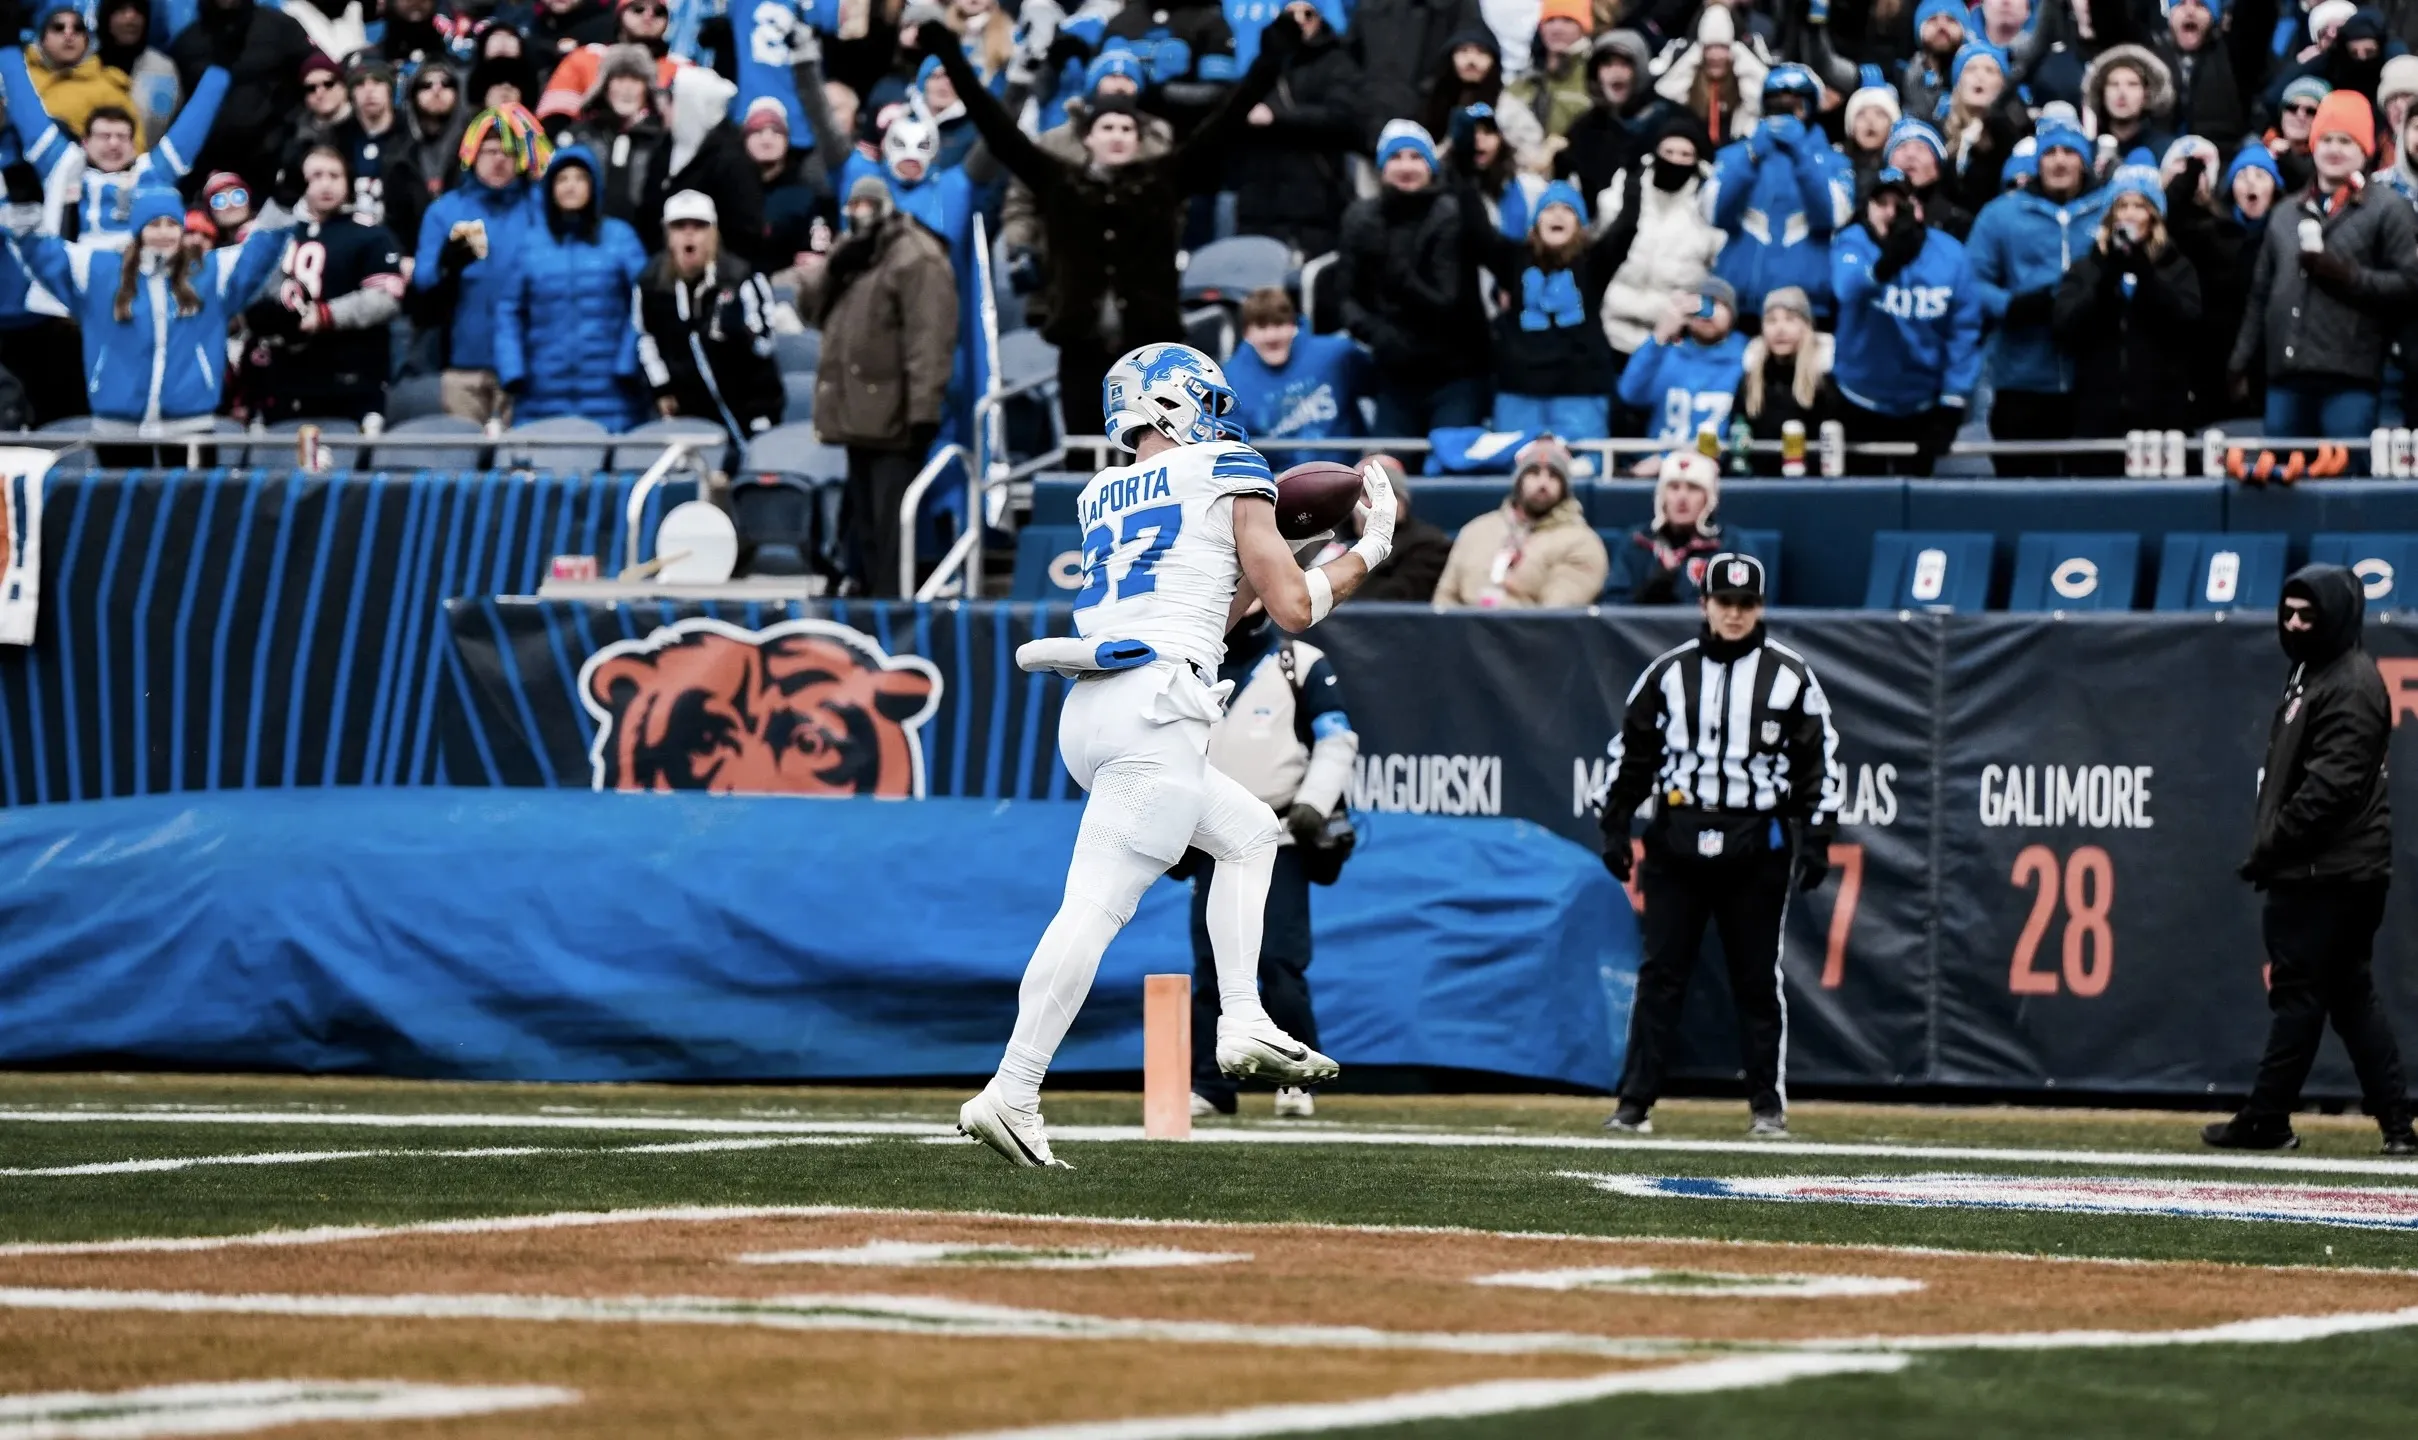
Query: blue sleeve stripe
pixel 1332 722
pixel 1243 464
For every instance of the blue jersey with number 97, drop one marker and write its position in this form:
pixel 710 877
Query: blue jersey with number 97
pixel 1159 563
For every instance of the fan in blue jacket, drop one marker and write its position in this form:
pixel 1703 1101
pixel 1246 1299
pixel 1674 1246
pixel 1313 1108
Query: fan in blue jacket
pixel 566 335
pixel 1910 316
pixel 2021 245
pixel 154 316
pixel 1779 195
pixel 106 173
pixel 456 279
pixel 1686 377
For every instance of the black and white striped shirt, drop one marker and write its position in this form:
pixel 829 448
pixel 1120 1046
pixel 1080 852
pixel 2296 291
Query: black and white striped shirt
pixel 1749 734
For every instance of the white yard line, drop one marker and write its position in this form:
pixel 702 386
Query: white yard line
pixel 716 1214
pixel 1499 1397
pixel 2288 1164
pixel 313 1157
pixel 229 1408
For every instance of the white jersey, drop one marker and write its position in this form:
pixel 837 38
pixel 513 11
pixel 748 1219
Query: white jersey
pixel 1159 563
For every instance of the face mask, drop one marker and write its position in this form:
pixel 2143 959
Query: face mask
pixel 1670 174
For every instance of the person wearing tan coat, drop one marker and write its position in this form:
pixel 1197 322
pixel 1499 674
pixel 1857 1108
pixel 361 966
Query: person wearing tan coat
pixel 886 302
pixel 1536 551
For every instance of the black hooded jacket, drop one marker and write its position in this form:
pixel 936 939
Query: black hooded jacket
pixel 2323 813
pixel 262 51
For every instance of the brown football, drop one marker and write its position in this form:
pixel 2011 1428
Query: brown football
pixel 1313 499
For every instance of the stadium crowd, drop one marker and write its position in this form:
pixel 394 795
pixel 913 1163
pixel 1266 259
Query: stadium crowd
pixel 1582 218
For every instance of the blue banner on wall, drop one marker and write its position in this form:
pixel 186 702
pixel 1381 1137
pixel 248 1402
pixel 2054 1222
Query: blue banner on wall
pixel 554 935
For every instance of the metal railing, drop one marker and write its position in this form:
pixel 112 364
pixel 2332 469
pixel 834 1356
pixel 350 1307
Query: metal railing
pixel 984 479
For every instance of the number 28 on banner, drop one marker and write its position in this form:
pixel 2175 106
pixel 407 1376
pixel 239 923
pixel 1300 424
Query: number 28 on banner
pixel 2086 882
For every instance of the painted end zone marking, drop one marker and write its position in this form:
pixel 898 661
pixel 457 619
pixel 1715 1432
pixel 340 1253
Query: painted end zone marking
pixel 974 1255
pixel 233 1407
pixel 485 1152
pixel 2352 1207
pixel 1704 1284
pixel 1498 1397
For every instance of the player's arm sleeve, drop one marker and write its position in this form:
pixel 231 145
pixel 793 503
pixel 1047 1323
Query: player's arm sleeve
pixel 1333 743
pixel 1241 470
pixel 1635 752
pixel 177 149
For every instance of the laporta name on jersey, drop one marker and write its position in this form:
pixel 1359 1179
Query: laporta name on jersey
pixel 1125 492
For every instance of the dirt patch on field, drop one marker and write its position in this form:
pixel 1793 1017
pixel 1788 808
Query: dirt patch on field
pixel 691 1381
pixel 1299 1275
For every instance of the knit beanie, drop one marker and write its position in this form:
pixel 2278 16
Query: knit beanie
pixel 1560 192
pixel 1914 132
pixel 2307 87
pixel 155 202
pixel 1789 297
pixel 1971 51
pixel 1884 97
pixel 1114 62
pixel 2138 180
pixel 1580 12
pixel 2346 112
pixel 1929 10
pixel 1401 135
pixel 1549 451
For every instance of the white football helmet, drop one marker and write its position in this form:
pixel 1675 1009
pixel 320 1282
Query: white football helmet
pixel 1173 389
pixel 911 137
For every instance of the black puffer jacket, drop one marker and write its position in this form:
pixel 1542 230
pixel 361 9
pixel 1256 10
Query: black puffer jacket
pixel 1109 241
pixel 2133 354
pixel 2323 809
pixel 1294 171
pixel 1409 290
pixel 262 51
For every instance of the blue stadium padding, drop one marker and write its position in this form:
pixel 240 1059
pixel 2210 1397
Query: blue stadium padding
pixel 2009 508
pixel 2076 570
pixel 1940 570
pixel 1049 561
pixel 2232 571
pixel 1453 503
pixel 2316 507
pixel 2381 562
pixel 1826 527
pixel 694 937
pixel 1620 504
pixel 1054 497
pixel 1765 546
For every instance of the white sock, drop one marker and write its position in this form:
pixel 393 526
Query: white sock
pixel 1238 917
pixel 1055 984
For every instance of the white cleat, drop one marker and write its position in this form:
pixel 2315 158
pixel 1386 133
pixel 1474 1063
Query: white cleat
pixel 1015 1134
pixel 1256 1048
pixel 1202 1109
pixel 1294 1103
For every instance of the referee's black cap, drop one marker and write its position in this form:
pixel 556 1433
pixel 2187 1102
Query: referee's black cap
pixel 1734 576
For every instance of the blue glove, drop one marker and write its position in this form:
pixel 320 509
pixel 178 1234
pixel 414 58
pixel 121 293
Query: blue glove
pixel 1783 130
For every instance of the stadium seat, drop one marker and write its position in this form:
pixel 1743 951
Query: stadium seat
pixel 2233 571
pixel 414 396
pixel 1054 493
pixel 1049 562
pixel 267 453
pixel 798 354
pixel 774 515
pixel 798 393
pixel 633 449
pixel 2076 570
pixel 795 450
pixel 1620 579
pixel 558 442
pixel 1941 570
pixel 469 457
pixel 1228 270
pixel 2380 562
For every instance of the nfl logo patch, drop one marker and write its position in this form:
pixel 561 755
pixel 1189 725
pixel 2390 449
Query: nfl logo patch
pixel 1738 573
pixel 1771 732
pixel 1708 844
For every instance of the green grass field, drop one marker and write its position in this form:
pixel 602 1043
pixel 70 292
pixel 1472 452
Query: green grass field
pixel 1391 1161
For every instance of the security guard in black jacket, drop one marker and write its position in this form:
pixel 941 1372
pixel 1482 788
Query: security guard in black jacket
pixel 1731 732
pixel 2323 853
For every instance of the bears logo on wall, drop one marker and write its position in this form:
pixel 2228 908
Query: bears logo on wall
pixel 805 707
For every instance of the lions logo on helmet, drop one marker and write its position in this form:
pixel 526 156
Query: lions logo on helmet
pixel 1173 389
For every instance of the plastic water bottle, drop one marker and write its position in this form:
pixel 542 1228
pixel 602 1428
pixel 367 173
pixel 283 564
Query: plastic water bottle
pixel 1742 448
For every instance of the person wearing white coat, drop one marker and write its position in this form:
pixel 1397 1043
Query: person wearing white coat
pixel 1671 246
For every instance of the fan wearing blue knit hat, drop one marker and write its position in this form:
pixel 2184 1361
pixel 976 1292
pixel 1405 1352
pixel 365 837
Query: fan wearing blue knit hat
pixel 155 317
pixel 1916 151
pixel 1939 32
pixel 2129 313
pixel 1552 359
pixel 2022 243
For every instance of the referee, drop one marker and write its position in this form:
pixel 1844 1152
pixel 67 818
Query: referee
pixel 1732 733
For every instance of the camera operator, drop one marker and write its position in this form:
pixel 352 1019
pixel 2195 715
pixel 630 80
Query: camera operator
pixel 1286 738
pixel 1732 731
